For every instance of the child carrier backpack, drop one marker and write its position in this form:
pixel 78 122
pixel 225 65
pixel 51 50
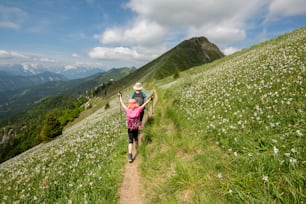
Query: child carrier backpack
pixel 133 119
pixel 139 98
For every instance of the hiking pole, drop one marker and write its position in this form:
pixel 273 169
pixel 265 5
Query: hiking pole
pixel 152 98
pixel 120 94
pixel 120 107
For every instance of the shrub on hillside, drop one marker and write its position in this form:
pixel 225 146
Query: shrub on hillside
pixel 107 106
pixel 176 73
pixel 51 127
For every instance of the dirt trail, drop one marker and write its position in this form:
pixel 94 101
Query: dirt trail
pixel 130 192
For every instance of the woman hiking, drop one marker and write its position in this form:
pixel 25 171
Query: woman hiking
pixel 133 111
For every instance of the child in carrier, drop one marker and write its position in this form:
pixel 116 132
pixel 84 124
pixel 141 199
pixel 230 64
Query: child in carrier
pixel 133 111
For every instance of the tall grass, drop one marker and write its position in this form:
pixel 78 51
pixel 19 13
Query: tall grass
pixel 233 131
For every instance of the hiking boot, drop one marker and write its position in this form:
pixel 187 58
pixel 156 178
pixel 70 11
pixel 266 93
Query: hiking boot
pixel 130 157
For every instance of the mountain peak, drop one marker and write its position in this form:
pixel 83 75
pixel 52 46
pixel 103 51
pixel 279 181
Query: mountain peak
pixel 187 54
pixel 200 39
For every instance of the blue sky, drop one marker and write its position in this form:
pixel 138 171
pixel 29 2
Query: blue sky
pixel 117 33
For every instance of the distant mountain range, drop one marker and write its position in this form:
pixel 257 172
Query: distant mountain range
pixel 78 72
pixel 9 82
pixel 33 89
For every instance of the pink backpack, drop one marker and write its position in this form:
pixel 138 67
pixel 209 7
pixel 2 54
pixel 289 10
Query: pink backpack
pixel 133 118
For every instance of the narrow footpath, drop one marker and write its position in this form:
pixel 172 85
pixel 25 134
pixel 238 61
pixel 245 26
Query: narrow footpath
pixel 130 192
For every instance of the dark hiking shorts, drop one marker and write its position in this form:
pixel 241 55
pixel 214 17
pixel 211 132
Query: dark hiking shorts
pixel 133 135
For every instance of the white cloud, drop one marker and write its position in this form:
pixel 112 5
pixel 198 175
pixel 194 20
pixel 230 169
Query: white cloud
pixel 75 55
pixel 10 54
pixel 7 24
pixel 123 53
pixel 222 34
pixel 197 16
pixel 157 23
pixel 11 17
pixel 46 59
pixel 192 12
pixel 141 32
pixel 287 8
pixel 230 50
pixel 124 56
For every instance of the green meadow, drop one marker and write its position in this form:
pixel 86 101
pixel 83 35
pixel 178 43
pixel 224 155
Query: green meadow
pixel 231 131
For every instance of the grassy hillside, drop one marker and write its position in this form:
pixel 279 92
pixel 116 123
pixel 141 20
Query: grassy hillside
pixel 232 131
pixel 85 164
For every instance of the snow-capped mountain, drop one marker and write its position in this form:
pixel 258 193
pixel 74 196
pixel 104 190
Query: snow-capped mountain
pixel 68 71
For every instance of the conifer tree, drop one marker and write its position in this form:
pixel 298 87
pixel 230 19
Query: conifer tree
pixel 51 127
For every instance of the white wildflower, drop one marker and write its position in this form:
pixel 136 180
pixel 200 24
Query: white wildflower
pixel 299 133
pixel 293 150
pixel 265 178
pixel 293 160
pixel 287 154
pixel 275 150
pixel 219 175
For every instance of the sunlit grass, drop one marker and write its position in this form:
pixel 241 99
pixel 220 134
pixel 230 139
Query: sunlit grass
pixel 82 166
pixel 239 123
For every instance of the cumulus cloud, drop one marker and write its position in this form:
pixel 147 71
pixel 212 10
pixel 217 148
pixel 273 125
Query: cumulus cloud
pixel 192 12
pixel 159 25
pixel 156 22
pixel 197 17
pixel 220 34
pixel 123 53
pixel 125 56
pixel 142 32
pixel 11 55
pixel 285 8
